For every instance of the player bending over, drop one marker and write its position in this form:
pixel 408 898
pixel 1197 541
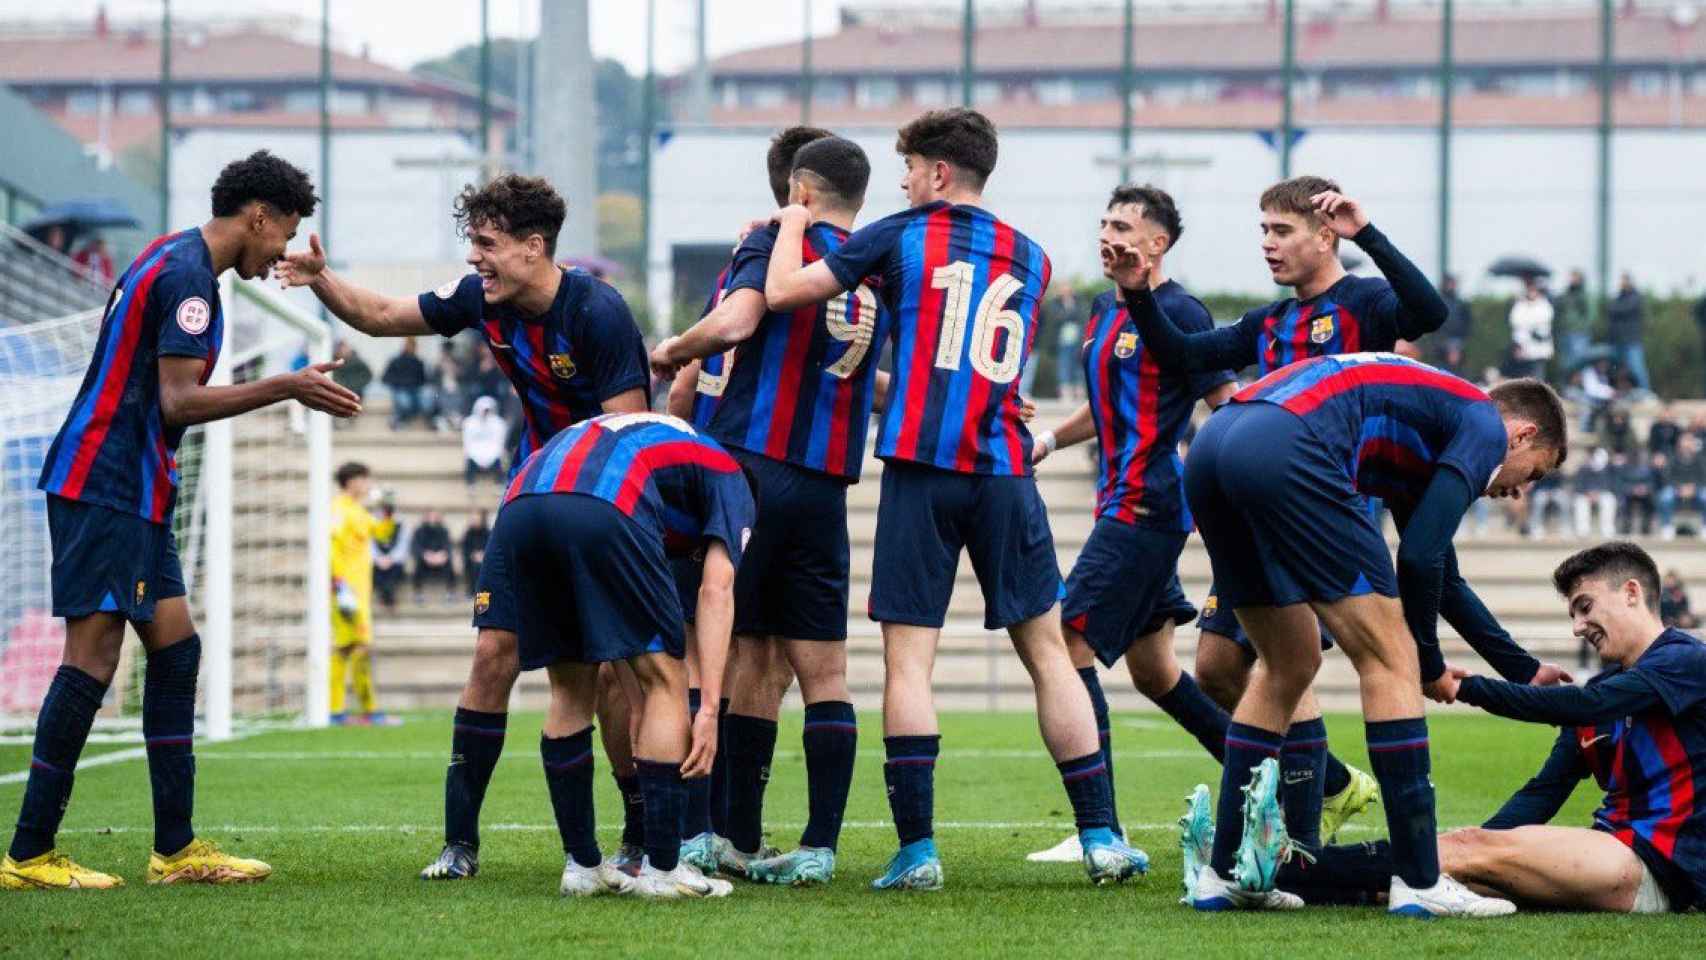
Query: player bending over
pixel 587 525
pixel 794 403
pixel 964 288
pixel 1281 471
pixel 570 347
pixel 1638 729
pixel 111 478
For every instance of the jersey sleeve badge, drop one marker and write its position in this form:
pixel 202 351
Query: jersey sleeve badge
pixel 194 315
pixel 1321 330
pixel 1210 607
pixel 482 602
pixel 562 366
pixel 1126 345
pixel 448 290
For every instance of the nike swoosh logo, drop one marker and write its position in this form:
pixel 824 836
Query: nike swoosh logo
pixel 1588 743
pixel 500 346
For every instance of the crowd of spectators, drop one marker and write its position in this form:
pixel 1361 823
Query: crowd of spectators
pixel 1627 486
pixel 425 554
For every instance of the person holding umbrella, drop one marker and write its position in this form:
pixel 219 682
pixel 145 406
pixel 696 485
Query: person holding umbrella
pixel 1531 330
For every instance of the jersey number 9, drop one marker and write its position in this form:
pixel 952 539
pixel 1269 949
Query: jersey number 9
pixel 856 330
pixel 992 315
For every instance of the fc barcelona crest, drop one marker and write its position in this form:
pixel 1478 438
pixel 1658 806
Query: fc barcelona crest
pixel 1321 330
pixel 482 602
pixel 141 590
pixel 562 366
pixel 1126 345
pixel 1209 606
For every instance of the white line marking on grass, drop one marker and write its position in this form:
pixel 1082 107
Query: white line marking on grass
pixel 410 828
pixel 98 760
pixel 529 757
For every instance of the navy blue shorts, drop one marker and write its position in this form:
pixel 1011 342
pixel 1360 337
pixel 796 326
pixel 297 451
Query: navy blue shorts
pixel 1125 585
pixel 1217 618
pixel 591 586
pixel 792 580
pixel 110 561
pixel 1282 521
pixel 927 515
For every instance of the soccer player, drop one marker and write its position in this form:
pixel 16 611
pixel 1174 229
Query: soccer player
pixel 569 345
pixel 352 594
pixel 964 287
pixel 1638 729
pixel 111 480
pixel 731 802
pixel 1123 597
pixel 1331 312
pixel 1272 478
pixel 792 407
pixel 587 525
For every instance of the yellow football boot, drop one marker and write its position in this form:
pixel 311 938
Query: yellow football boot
pixel 1361 793
pixel 53 871
pixel 202 862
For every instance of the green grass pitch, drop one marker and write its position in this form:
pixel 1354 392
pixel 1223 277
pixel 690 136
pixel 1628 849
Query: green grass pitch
pixel 348 817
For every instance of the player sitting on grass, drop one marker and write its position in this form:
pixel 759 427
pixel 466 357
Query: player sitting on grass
pixel 1638 729
pixel 1276 480
pixel 111 479
pixel 588 524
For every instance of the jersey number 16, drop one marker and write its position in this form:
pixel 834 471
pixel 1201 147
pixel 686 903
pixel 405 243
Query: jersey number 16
pixel 991 316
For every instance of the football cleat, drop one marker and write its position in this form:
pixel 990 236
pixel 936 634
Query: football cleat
pixel 1265 844
pixel 579 881
pixel 1066 851
pixel 805 867
pixel 684 882
pixel 1447 898
pixel 455 861
pixel 628 859
pixel 1196 837
pixel 1107 858
pixel 1212 893
pixel 703 851
pixel 914 867
pixel 202 862
pixel 1337 810
pixel 53 871
pixel 734 862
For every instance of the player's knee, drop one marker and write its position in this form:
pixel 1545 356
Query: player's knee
pixel 497 662
pixel 98 661
pixel 1154 676
pixel 1472 851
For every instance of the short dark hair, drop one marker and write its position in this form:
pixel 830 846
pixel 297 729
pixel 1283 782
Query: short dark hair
pixel 959 135
pixel 1293 196
pixel 274 181
pixel 779 161
pixel 1158 207
pixel 351 471
pixel 840 166
pixel 1539 404
pixel 517 205
pixel 1614 561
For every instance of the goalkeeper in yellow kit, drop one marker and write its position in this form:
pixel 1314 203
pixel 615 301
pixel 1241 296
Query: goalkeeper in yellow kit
pixel 352 595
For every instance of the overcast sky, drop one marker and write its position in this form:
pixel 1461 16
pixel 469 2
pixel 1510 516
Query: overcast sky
pixel 404 32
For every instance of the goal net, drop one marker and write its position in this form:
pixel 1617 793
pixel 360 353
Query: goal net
pixel 252 527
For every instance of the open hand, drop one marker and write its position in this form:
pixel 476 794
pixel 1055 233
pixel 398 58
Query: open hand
pixel 302 267
pixel 312 388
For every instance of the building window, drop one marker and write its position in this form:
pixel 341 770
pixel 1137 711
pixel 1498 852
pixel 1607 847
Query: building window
pixel 136 103
pixel 832 93
pixel 985 92
pixel 1054 91
pixel 82 102
pixel 930 93
pixel 761 95
pixel 237 100
pixel 1093 89
pixel 876 92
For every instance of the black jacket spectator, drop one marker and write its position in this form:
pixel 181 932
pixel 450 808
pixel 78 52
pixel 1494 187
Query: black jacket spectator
pixel 355 375
pixel 405 371
pixel 1673 603
pixel 474 549
pixel 1618 436
pixel 430 546
pixel 1626 317
pixel 1663 434
pixel 1635 492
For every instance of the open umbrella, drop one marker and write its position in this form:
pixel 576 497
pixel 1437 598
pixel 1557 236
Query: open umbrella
pixel 1519 266
pixel 87 213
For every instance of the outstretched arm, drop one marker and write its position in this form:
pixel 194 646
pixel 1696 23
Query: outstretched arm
pixel 1461 608
pixel 1423 547
pixel 732 321
pixel 372 313
pixel 1545 793
pixel 185 400
pixel 1614 698
pixel 1223 348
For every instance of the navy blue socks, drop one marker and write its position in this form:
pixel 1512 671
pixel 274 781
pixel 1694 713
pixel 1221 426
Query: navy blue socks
pixel 168 729
pixel 1303 764
pixel 1201 717
pixel 661 786
pixel 62 727
pixel 751 745
pixel 476 742
pixel 1104 734
pixel 1246 748
pixel 1398 751
pixel 910 774
pixel 568 776
pixel 696 814
pixel 1086 782
pixel 831 743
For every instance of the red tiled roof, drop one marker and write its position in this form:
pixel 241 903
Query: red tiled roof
pixel 1480 39
pixel 126 131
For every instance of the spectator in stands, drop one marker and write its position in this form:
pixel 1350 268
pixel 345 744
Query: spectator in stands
pixel 1572 322
pixel 1544 496
pixel 486 381
pixel 430 546
pixel 1453 335
pixel 1673 603
pixel 96 262
pixel 355 375
pixel 1685 486
pixel 390 552
pixel 55 238
pixel 483 437
pixel 1633 476
pixel 1591 388
pixel 1068 344
pixel 441 409
pixel 1626 328
pixel 1663 434
pixel 1700 323
pixel 474 549
pixel 406 377
pixel 1594 490
pixel 1697 427
pixel 1619 433
pixel 1531 330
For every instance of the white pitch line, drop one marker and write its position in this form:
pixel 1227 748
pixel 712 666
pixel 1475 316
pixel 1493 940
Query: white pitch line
pixel 529 757
pixel 410 829
pixel 98 760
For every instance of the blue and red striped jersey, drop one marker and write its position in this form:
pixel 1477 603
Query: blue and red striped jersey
pixel 800 388
pixel 708 389
pixel 963 288
pixel 1390 420
pixel 1652 766
pixel 1140 411
pixel 1355 315
pixel 115 448
pixel 672 480
pixel 564 363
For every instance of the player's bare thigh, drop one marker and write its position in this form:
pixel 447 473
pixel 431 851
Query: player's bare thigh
pixel 1568 868
pixel 497 664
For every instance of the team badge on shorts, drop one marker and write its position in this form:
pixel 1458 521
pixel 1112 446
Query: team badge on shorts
pixel 562 366
pixel 141 590
pixel 1125 346
pixel 1209 606
pixel 194 315
pixel 1321 330
pixel 482 602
